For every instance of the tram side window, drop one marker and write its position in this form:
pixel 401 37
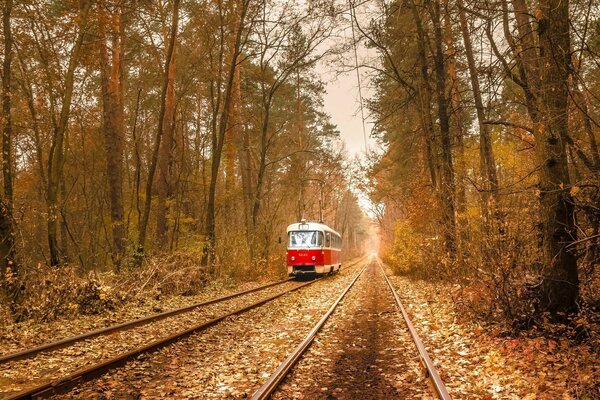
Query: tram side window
pixel 327 239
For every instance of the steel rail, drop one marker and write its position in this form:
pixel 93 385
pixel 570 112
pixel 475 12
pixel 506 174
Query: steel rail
pixel 275 379
pixel 431 372
pixel 22 354
pixel 66 383
pixel 58 344
pixel 61 343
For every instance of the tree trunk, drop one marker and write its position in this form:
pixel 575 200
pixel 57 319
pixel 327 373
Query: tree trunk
pixel 262 165
pixel 218 139
pixel 459 131
pixel 487 163
pixel 27 88
pixel 549 114
pixel 6 110
pixel 112 102
pixel 9 271
pixel 169 72
pixel 164 182
pixel 424 97
pixel 582 104
pixel 245 163
pixel 447 170
pixel 56 155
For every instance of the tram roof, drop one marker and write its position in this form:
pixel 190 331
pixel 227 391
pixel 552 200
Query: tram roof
pixel 310 226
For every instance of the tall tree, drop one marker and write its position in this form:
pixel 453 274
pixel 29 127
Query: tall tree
pixel 165 157
pixel 7 242
pixel 487 163
pixel 448 191
pixel 111 71
pixel 164 121
pixel 284 49
pixel 545 59
pixel 219 128
pixel 57 150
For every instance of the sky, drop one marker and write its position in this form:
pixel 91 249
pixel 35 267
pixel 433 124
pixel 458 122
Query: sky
pixel 342 101
pixel 343 105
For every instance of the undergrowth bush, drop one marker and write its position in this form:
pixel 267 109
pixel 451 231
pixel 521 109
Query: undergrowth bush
pixel 415 253
pixel 48 292
pixel 496 275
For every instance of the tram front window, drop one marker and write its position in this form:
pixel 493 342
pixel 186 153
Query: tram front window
pixel 300 239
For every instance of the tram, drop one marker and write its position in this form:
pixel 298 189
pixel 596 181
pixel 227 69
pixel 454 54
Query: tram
pixel 313 249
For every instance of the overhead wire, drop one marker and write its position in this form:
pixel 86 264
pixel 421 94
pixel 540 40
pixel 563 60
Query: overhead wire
pixel 360 96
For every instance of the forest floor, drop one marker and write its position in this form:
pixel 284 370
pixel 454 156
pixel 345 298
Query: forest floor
pixel 476 361
pixel 481 361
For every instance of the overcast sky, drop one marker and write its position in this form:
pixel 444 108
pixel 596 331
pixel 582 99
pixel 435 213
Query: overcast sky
pixel 342 99
pixel 343 105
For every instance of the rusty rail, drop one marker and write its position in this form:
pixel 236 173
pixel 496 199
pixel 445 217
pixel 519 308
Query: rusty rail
pixel 22 354
pixel 435 380
pixel 275 379
pixel 66 383
pixel 58 344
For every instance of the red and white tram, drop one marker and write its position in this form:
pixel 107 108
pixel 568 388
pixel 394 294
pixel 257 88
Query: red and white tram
pixel 313 248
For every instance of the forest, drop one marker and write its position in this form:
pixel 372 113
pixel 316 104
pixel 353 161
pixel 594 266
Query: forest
pixel 489 121
pixel 157 149
pixel 177 130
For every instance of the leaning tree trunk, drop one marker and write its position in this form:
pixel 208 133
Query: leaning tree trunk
pixel 169 72
pixel 112 102
pixel 487 164
pixel 56 155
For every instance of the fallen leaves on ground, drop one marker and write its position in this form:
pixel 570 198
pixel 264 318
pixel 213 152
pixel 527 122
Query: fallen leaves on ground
pixel 476 361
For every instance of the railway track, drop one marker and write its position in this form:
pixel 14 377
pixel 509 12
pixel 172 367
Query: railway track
pixel 58 344
pixel 435 382
pixel 67 382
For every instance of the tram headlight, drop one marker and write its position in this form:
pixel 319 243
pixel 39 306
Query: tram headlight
pixel 293 258
pixel 314 258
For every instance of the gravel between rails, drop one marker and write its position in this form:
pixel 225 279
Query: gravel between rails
pixel 363 352
pixel 18 375
pixel 229 360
